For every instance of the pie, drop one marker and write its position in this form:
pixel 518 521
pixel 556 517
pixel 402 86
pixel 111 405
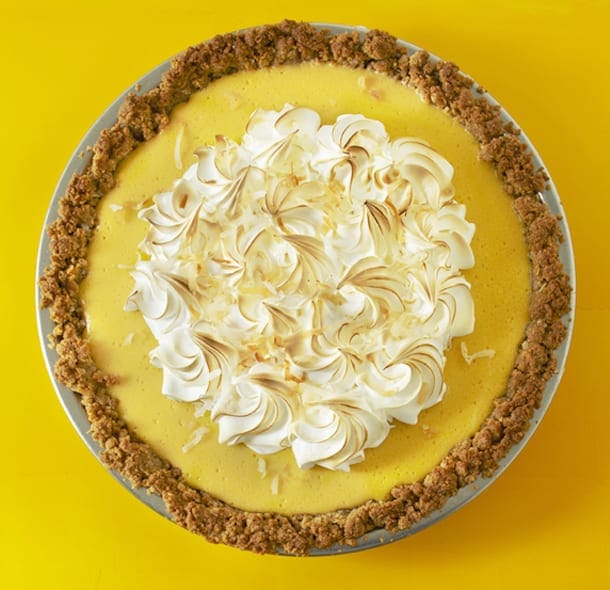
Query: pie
pixel 306 287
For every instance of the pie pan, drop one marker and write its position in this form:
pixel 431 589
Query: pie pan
pixel 71 401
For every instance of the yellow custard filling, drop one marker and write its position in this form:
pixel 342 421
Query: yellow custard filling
pixel 121 341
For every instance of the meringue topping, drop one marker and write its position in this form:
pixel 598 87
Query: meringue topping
pixel 306 282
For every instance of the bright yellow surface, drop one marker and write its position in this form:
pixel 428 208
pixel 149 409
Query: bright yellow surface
pixel 410 452
pixel 544 523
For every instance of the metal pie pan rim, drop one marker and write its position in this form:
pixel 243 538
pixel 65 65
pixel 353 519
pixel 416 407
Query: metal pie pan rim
pixel 70 401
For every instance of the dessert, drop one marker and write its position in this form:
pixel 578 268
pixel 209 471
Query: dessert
pixel 306 279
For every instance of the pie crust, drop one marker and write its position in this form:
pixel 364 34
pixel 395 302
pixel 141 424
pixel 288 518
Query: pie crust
pixel 141 117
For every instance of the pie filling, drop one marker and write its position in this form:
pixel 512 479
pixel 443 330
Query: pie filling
pixel 288 284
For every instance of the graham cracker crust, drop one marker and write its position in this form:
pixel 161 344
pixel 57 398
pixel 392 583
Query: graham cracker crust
pixel 141 117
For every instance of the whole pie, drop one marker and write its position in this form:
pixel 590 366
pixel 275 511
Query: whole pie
pixel 306 287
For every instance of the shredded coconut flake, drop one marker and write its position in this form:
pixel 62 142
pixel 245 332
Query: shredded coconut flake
pixel 233 100
pixel 178 148
pixel 262 467
pixel 195 439
pixel 275 484
pixel 470 358
pixel 365 83
pixel 128 339
pixel 428 431
pixel 115 207
pixel 201 407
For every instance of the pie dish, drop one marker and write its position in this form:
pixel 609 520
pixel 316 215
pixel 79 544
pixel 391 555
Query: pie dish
pixel 406 505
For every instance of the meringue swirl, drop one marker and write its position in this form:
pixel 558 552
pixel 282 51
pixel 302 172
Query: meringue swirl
pixel 305 283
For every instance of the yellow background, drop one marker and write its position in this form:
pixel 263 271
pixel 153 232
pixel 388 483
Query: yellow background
pixel 67 524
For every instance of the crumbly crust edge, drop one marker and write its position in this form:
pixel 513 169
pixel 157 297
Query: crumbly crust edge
pixel 142 117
